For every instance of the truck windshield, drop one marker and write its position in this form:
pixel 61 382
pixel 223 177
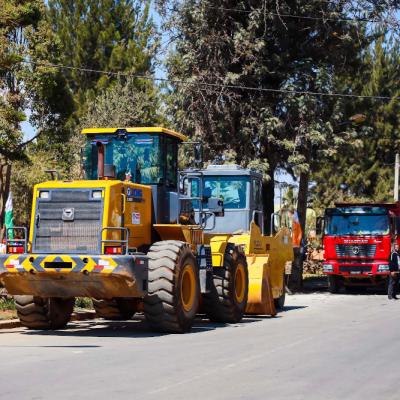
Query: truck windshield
pixel 357 224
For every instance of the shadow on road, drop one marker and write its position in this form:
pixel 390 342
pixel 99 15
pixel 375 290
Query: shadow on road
pixel 316 284
pixel 292 308
pixel 135 328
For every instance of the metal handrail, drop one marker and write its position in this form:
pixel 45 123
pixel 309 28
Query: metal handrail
pixel 24 240
pixel 121 241
pixel 272 225
pixel 258 212
pixel 204 221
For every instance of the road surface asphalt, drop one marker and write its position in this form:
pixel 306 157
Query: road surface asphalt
pixel 321 347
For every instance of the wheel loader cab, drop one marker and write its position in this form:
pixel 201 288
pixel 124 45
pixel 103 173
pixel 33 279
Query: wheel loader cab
pixel 146 156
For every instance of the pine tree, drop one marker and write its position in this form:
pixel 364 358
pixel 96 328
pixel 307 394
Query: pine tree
pixel 106 35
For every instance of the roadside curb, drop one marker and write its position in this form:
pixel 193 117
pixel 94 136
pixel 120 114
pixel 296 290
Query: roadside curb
pixel 83 315
pixel 10 323
pixel 76 316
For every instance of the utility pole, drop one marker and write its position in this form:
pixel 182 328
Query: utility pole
pixel 396 177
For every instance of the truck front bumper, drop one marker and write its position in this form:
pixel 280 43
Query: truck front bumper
pixel 352 269
pixel 60 275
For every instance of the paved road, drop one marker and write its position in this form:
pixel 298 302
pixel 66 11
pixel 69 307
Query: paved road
pixel 322 347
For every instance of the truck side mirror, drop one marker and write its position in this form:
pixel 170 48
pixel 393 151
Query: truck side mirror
pixel 319 224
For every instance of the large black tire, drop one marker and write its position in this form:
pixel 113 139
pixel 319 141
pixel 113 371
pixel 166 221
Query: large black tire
pixel 280 301
pixel 225 302
pixel 173 287
pixel 44 313
pixel 116 309
pixel 333 284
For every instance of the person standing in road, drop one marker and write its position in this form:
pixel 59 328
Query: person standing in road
pixel 394 273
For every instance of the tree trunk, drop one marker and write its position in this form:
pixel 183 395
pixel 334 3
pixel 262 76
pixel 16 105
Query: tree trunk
pixel 296 277
pixel 303 199
pixel 268 194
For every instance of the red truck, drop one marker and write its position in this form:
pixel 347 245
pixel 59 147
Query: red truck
pixel 357 240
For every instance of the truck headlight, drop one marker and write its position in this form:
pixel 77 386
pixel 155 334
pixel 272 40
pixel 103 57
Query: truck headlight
pixel 383 268
pixel 327 268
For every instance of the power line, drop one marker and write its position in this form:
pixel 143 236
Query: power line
pixel 211 85
pixel 305 17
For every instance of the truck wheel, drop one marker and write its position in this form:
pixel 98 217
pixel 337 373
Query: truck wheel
pixel 173 287
pixel 280 301
pixel 115 309
pixel 44 313
pixel 228 297
pixel 333 284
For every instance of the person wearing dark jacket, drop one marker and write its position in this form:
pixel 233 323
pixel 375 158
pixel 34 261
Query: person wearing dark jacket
pixel 394 273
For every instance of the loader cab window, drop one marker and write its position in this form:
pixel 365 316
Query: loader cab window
pixel 149 159
pixel 171 149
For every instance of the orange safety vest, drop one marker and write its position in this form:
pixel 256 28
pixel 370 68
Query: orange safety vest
pixel 297 233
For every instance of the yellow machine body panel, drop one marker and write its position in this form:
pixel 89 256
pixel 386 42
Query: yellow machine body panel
pixel 125 202
pixel 266 259
pixel 150 129
pixel 186 233
pixel 218 245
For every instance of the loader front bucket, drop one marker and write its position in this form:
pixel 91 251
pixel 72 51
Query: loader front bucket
pixel 260 298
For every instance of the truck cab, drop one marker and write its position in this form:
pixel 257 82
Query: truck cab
pixel 357 241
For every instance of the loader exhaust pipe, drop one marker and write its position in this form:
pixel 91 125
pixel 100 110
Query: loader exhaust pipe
pixel 100 160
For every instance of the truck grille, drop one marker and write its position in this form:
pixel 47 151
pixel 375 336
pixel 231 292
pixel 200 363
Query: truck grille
pixel 68 222
pixel 355 250
pixel 355 268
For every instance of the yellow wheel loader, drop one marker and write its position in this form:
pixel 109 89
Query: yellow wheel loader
pixel 266 255
pixel 125 236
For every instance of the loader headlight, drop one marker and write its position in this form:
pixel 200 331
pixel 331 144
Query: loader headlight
pixel 44 194
pixel 383 268
pixel 97 194
pixel 327 268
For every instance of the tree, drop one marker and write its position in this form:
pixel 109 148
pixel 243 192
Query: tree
pixel 107 35
pixel 23 36
pixel 225 48
pixel 376 140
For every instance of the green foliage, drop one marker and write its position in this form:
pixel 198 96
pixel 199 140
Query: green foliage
pixel 364 166
pixel 84 303
pixel 128 102
pixel 6 304
pixel 106 35
pixel 15 18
